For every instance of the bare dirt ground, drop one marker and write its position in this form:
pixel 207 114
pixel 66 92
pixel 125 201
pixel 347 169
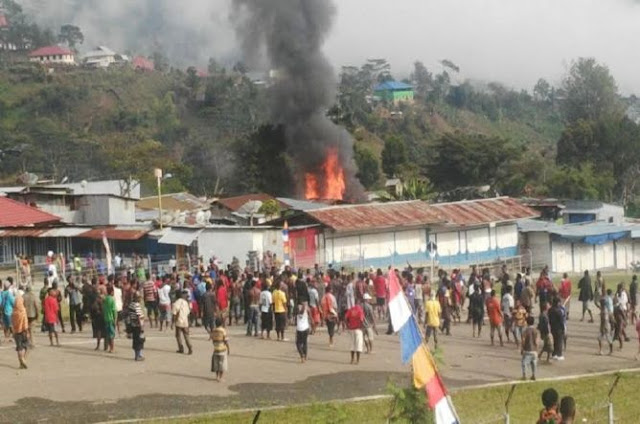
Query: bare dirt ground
pixel 75 384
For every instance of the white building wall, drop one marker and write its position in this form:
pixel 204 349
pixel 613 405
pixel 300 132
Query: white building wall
pixel 478 240
pixel 561 257
pixel 624 253
pixel 227 243
pixel 604 255
pixel 507 236
pixel 448 243
pixel 377 245
pixel 540 246
pixel 412 241
pixel 121 211
pixel 584 259
pixel 346 249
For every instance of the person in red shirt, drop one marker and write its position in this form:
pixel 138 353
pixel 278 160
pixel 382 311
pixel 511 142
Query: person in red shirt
pixel 51 308
pixel 495 316
pixel 355 319
pixel 222 297
pixel 565 293
pixel 380 287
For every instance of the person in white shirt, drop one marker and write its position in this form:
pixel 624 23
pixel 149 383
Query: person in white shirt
pixel 117 296
pixel 164 303
pixel 302 331
pixel 266 314
pixel 181 310
pixel 506 305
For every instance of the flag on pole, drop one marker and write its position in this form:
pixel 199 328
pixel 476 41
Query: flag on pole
pixel 286 243
pixel 107 249
pixel 399 310
pixel 414 350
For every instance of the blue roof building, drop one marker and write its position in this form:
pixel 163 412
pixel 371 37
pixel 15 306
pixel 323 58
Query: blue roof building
pixel 394 91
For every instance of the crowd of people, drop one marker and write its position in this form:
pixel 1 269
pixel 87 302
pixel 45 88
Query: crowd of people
pixel 277 299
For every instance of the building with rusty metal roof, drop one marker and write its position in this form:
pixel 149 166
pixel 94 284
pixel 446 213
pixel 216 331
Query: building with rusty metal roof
pixel 380 234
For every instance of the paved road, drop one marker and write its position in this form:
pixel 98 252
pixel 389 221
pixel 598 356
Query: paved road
pixel 74 383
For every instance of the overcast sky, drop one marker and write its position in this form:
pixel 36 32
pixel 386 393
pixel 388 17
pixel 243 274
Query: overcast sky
pixel 511 41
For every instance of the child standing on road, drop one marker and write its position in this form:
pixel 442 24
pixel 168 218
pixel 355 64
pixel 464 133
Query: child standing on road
pixel 220 349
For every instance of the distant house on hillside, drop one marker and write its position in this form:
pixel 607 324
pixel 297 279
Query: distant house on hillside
pixel 100 57
pixel 143 64
pixel 4 32
pixel 394 91
pixel 53 55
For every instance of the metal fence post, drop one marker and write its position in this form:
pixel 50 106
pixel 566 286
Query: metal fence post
pixel 507 418
pixel 610 406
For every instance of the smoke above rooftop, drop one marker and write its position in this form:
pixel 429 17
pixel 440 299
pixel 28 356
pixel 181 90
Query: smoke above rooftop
pixel 289 35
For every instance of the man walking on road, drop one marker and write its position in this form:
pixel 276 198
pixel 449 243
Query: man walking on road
pixel 586 295
pixel 529 349
pixel 433 311
pixel 75 305
pixel 495 317
pixel 253 298
pixel 51 308
pixel 180 312
pixel 109 315
pixel 556 322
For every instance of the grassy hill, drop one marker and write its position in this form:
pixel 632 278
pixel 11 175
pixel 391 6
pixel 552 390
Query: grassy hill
pixel 89 124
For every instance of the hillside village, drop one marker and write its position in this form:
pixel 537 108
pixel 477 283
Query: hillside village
pixel 208 131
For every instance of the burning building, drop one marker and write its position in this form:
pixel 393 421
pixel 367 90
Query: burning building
pixel 288 35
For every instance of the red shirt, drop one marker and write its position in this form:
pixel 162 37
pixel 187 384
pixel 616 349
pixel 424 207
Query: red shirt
pixel 565 288
pixel 51 307
pixel 222 297
pixel 380 286
pixel 493 310
pixel 355 317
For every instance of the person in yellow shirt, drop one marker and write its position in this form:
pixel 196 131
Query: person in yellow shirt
pixel 280 311
pixel 433 311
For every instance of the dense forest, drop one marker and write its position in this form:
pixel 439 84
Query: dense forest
pixel 211 130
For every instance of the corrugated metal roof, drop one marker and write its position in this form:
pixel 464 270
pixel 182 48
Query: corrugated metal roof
pixel 180 236
pixel 175 201
pixel 483 211
pixel 63 232
pixel 301 205
pixel 376 216
pixel 575 230
pixel 16 214
pixel 392 85
pixel 115 233
pixel 24 232
pixel 417 213
pixel 235 203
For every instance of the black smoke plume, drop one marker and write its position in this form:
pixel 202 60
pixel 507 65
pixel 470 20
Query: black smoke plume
pixel 289 35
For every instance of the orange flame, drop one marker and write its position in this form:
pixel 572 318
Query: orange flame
pixel 332 186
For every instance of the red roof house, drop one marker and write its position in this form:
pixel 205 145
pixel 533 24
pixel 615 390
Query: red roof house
pixel 53 54
pixel 143 64
pixel 16 214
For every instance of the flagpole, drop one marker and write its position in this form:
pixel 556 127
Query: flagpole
pixel 426 345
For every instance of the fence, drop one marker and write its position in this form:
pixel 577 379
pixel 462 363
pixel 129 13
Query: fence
pixel 602 403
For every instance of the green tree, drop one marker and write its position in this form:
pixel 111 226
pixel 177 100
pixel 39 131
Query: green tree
pixel 160 61
pixel 542 90
pixel 611 145
pixel 270 208
pixel 422 80
pixel 584 182
pixel 368 167
pixel 461 160
pixel 394 156
pixel 590 91
pixel 71 34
